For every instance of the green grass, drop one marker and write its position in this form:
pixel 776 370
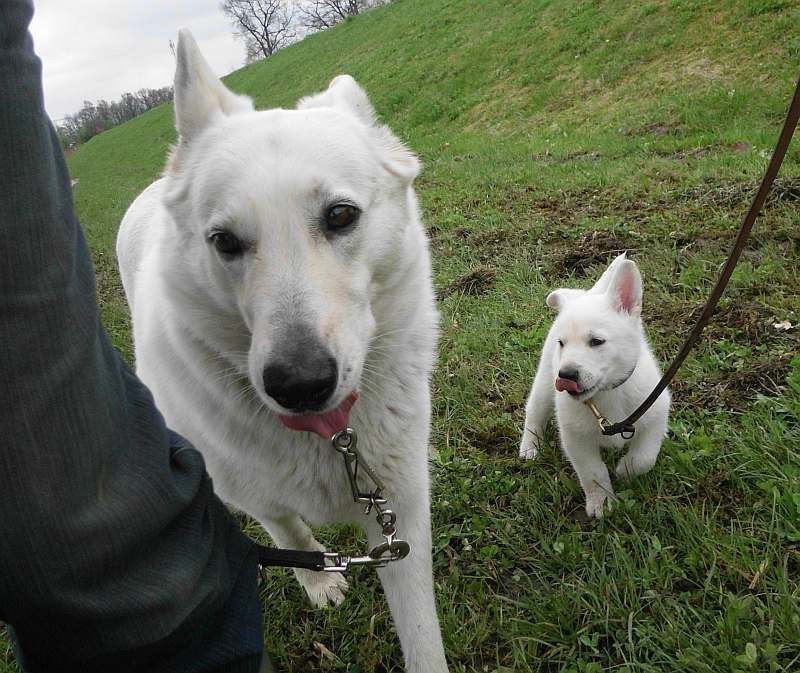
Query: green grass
pixel 554 134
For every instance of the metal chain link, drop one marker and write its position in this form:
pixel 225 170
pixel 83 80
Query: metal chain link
pixel 392 549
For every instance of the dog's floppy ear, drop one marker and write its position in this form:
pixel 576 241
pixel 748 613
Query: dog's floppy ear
pixel 625 288
pixel 200 97
pixel 558 298
pixel 344 94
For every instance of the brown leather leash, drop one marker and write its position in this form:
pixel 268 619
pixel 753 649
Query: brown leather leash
pixel 626 428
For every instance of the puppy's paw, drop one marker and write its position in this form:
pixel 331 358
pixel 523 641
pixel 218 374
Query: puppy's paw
pixel 598 503
pixel 634 464
pixel 529 447
pixel 323 588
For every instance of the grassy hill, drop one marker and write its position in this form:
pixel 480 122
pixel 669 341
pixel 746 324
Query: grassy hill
pixel 555 134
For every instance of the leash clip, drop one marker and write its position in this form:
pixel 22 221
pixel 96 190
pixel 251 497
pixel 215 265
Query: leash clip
pixel 607 427
pixel 391 549
pixel 378 557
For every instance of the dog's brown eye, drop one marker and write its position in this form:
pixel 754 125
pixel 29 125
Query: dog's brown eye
pixel 227 244
pixel 341 216
pixel 594 342
pixel 561 343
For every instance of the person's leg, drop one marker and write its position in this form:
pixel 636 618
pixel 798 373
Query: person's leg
pixel 116 554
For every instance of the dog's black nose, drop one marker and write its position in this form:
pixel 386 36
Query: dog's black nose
pixel 303 381
pixel 571 374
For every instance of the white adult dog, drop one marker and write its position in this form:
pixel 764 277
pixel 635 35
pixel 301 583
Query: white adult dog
pixel 597 350
pixel 276 272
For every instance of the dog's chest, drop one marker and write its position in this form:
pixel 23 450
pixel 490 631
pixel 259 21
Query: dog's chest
pixel 306 477
pixel 576 416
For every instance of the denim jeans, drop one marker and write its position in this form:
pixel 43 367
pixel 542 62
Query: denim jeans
pixel 115 554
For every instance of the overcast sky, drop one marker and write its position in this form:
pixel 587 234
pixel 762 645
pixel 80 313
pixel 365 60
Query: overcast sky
pixel 94 49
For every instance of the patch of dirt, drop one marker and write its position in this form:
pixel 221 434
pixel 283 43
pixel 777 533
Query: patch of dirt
pixel 714 485
pixel 685 584
pixel 549 158
pixel 492 237
pixel 733 390
pixel 742 321
pixel 476 282
pixel 746 321
pixel 752 321
pixel 704 69
pixel 731 194
pixel 496 439
pixel 461 232
pixel 593 247
pixel 697 153
pixel 740 146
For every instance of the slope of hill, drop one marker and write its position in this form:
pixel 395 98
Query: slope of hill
pixel 556 133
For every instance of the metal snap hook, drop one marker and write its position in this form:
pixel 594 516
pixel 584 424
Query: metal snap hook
pixel 344 439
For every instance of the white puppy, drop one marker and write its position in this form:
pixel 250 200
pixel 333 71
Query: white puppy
pixel 597 350
pixel 277 273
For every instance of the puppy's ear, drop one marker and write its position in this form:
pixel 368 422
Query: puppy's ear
pixel 557 299
pixel 625 288
pixel 344 94
pixel 200 97
pixel 603 282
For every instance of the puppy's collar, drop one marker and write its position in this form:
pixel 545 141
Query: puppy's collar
pixel 618 383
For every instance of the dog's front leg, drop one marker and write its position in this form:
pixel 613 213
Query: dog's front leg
pixel 644 449
pixel 291 532
pixel 538 410
pixel 408 585
pixel 583 451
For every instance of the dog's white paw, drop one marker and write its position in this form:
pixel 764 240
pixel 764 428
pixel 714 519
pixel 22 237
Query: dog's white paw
pixel 323 588
pixel 597 503
pixel 632 465
pixel 529 447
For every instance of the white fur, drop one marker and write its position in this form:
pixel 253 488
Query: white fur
pixel 609 310
pixel 204 326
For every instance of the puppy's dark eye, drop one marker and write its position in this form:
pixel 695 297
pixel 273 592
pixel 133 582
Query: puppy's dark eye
pixel 227 244
pixel 594 342
pixel 340 217
pixel 561 343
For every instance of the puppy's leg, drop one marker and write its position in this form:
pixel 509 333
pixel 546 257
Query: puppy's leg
pixel 408 585
pixel 538 409
pixel 584 453
pixel 644 449
pixel 291 532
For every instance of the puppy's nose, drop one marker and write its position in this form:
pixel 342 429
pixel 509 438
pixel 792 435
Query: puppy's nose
pixel 571 374
pixel 302 383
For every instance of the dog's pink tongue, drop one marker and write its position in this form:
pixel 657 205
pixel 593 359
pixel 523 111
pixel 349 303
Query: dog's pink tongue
pixel 326 425
pixel 567 384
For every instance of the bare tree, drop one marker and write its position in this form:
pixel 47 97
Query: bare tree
pixel 321 14
pixel 264 25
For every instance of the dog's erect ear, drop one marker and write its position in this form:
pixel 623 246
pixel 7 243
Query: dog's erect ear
pixel 344 94
pixel 625 288
pixel 604 281
pixel 200 97
pixel 557 299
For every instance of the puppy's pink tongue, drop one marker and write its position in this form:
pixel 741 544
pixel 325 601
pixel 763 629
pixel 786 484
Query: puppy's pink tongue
pixel 567 384
pixel 325 425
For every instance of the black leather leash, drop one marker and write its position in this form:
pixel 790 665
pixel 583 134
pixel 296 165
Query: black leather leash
pixel 626 427
pixel 290 558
